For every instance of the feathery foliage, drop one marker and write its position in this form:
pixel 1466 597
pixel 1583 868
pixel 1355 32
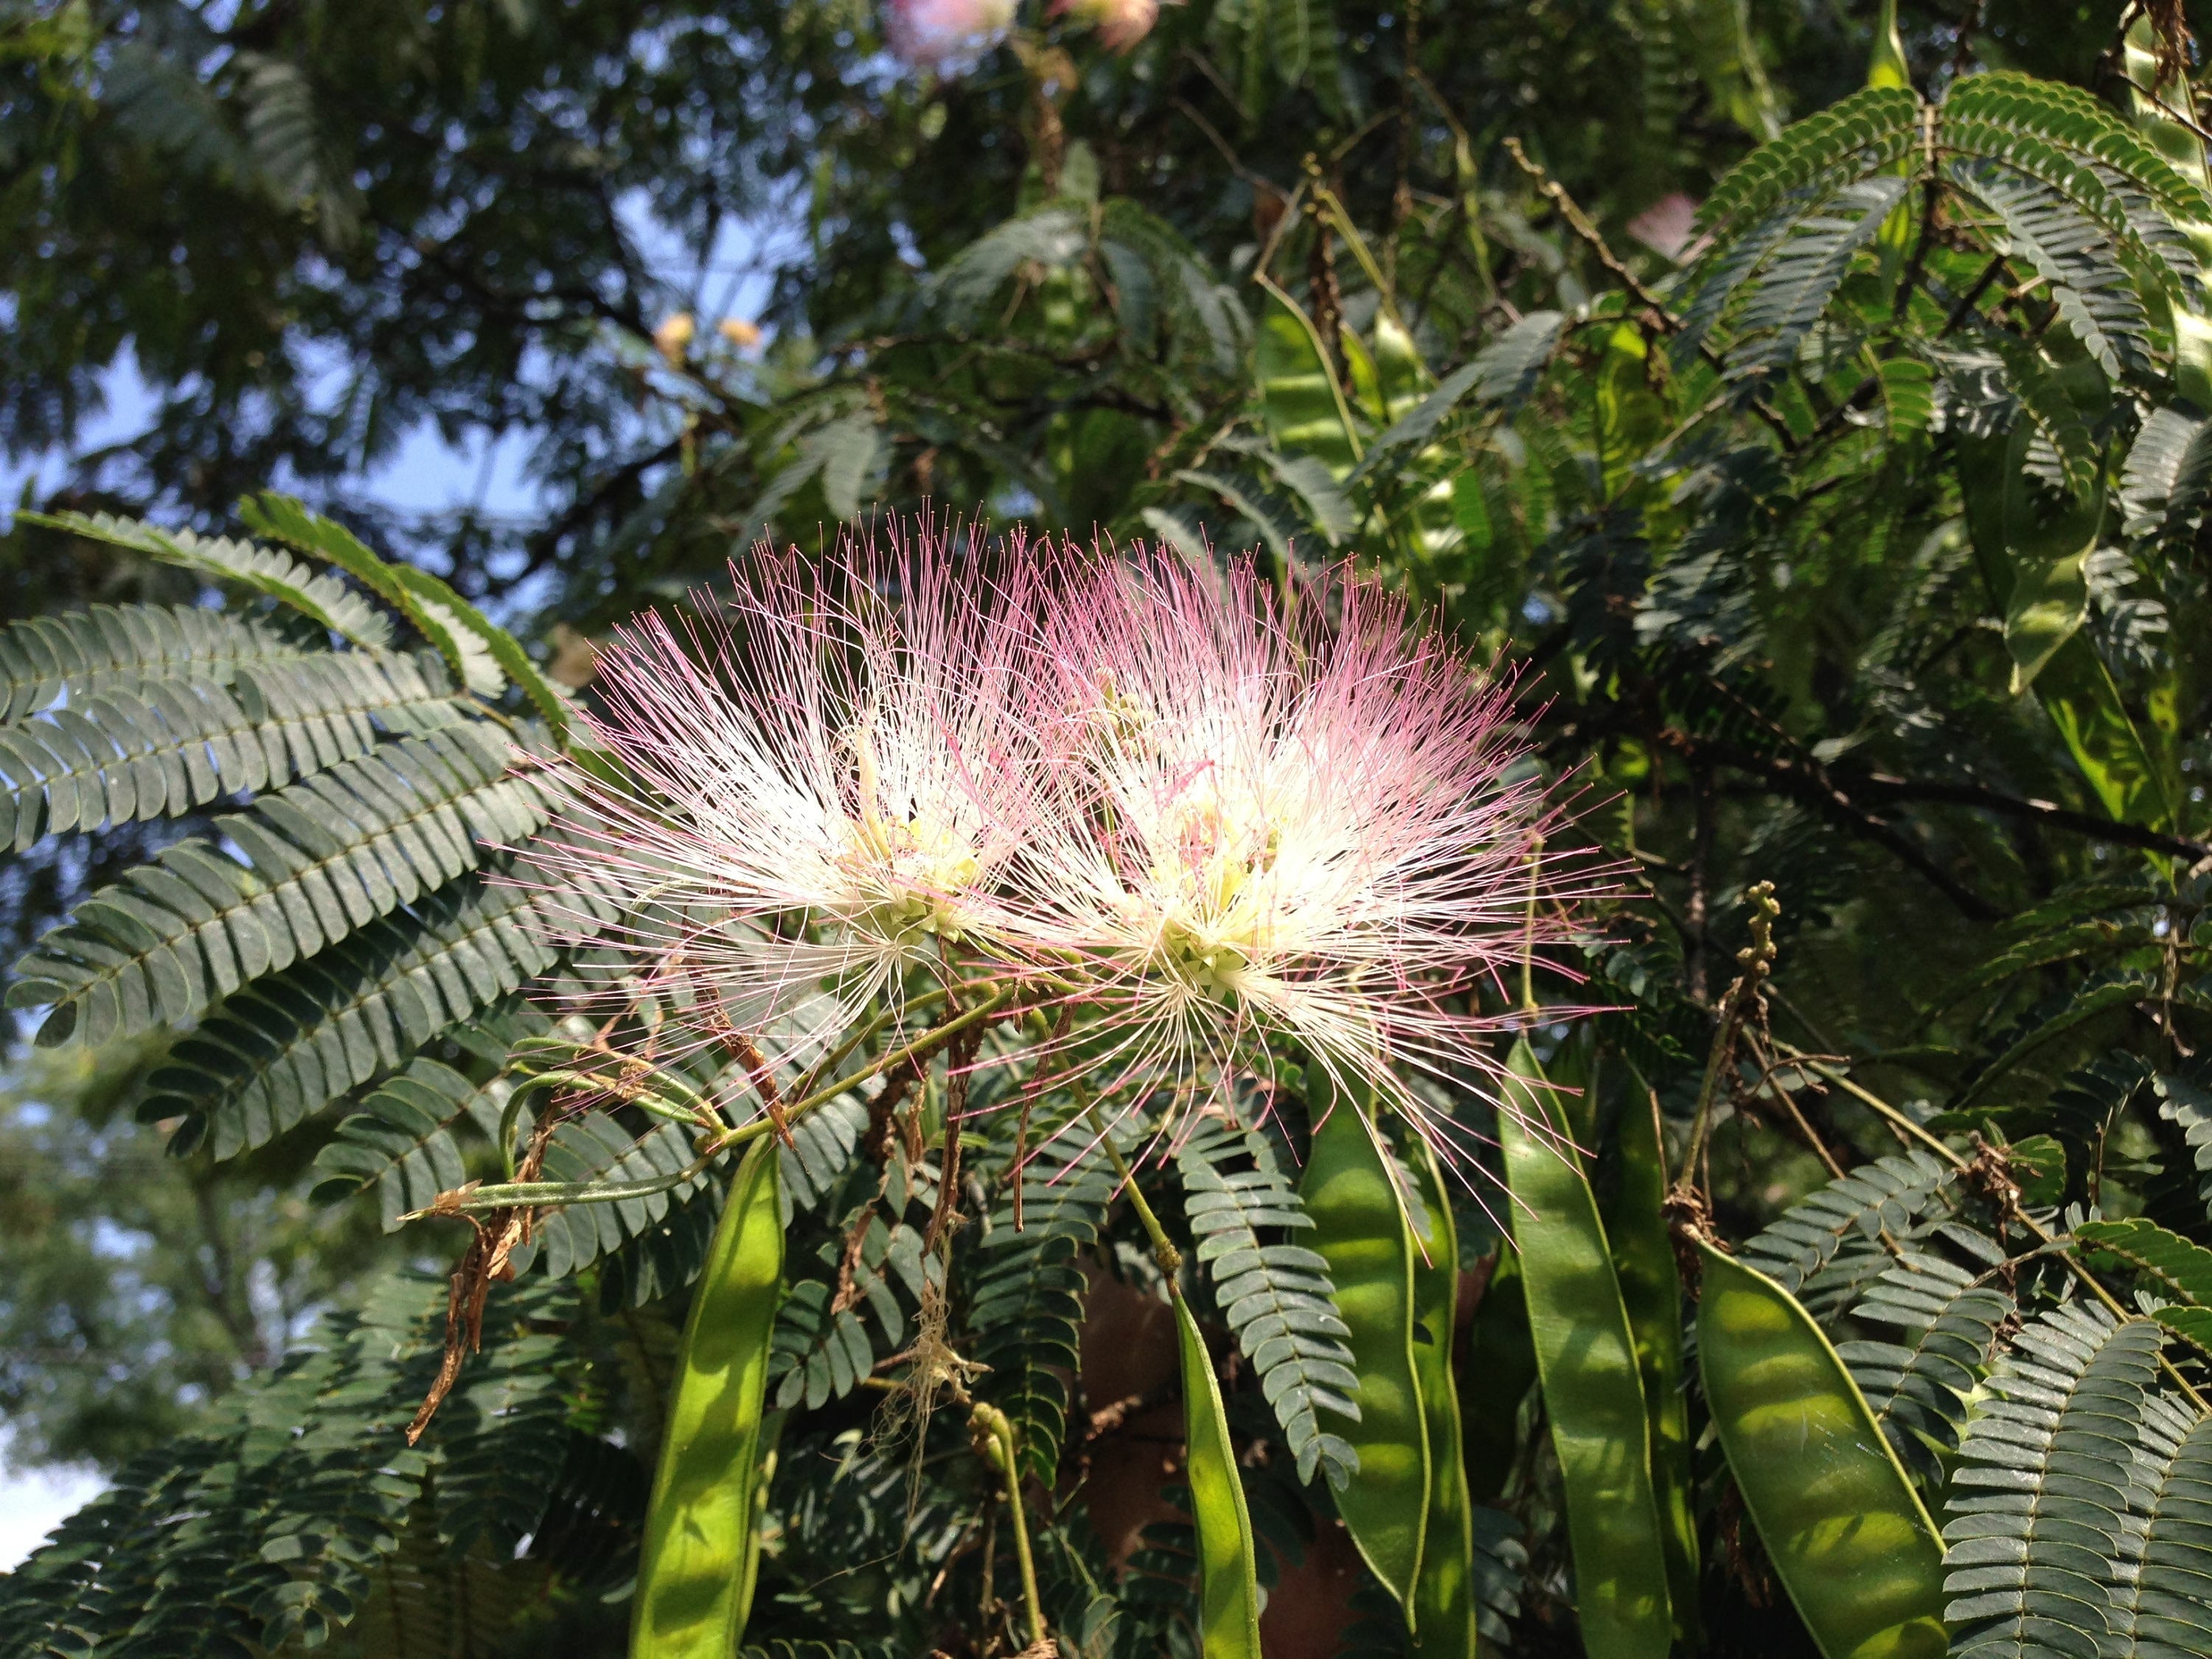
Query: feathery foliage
pixel 1844 531
pixel 1276 1296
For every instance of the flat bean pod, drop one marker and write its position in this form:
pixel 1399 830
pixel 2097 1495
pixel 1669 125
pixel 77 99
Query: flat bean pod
pixel 1360 1228
pixel 1849 1536
pixel 1593 1390
pixel 1652 1293
pixel 695 1582
pixel 1444 1596
pixel 1229 1587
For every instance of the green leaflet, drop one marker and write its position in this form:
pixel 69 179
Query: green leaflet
pixel 506 650
pixel 1586 1358
pixel 2048 598
pixel 1417 490
pixel 1847 1532
pixel 1360 1229
pixel 694 1580
pixel 1303 406
pixel 771 1438
pixel 2184 151
pixel 1631 417
pixel 1402 379
pixel 1908 394
pixel 1444 1596
pixel 324 599
pixel 282 518
pixel 2084 705
pixel 1229 1587
pixel 1643 1261
pixel 1889 67
pixel 2070 680
pixel 1466 178
pixel 1728 60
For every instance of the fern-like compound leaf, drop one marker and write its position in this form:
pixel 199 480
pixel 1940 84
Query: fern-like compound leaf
pixel 165 746
pixel 1805 269
pixel 1506 370
pixel 82 654
pixel 2169 1266
pixel 820 1151
pixel 291 1043
pixel 321 599
pixel 1849 140
pixel 2176 1266
pixel 401 1142
pixel 321 859
pixel 459 633
pixel 1026 1306
pixel 2064 137
pixel 2186 1102
pixel 1277 1296
pixel 1801 1249
pixel 595 1147
pixel 2160 1583
pixel 2167 481
pixel 266 1529
pixel 1918 1385
pixel 2041 1498
pixel 821 1351
pixel 2094 291
pixel 1164 289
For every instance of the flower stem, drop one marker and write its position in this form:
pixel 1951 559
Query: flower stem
pixel 995 1444
pixel 1169 1257
pixel 473 1199
pixel 1529 1003
pixel 997 997
pixel 812 1080
pixel 1742 1004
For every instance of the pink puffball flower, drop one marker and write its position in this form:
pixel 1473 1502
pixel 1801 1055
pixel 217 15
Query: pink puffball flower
pixel 1303 821
pixel 822 784
pixel 933 33
pixel 1120 23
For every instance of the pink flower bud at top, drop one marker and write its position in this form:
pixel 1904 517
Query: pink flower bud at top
pixel 1120 23
pixel 932 32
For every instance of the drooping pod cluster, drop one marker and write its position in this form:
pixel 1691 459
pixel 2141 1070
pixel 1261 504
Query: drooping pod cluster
pixel 1206 819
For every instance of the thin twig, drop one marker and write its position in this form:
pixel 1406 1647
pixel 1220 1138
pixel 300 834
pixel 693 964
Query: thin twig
pixel 1660 317
pixel 1904 1121
pixel 1745 1001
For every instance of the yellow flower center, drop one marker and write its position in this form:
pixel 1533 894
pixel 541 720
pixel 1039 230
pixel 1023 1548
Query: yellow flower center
pixel 1217 909
pixel 911 872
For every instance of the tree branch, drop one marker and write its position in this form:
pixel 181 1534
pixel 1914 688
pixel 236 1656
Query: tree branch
pixel 1809 782
pixel 1883 787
